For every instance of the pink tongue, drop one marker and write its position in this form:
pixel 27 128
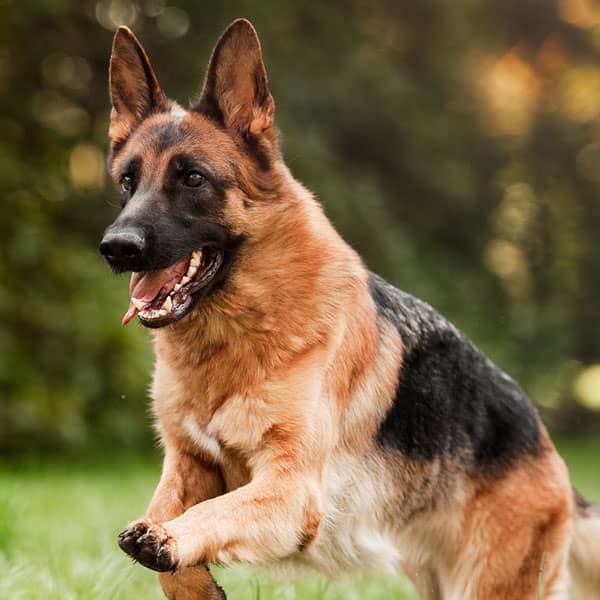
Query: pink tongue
pixel 146 286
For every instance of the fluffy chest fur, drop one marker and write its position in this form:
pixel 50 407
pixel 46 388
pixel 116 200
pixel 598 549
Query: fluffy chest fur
pixel 358 528
pixel 236 425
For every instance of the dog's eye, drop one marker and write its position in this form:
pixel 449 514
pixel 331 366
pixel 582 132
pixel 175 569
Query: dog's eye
pixel 126 184
pixel 193 179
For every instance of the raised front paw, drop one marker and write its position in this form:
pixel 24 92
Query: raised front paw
pixel 150 545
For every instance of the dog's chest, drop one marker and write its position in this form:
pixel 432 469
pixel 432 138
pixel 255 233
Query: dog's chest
pixel 237 422
pixel 227 438
pixel 202 441
pixel 233 465
pixel 241 422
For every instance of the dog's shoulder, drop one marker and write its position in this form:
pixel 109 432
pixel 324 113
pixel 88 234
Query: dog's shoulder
pixel 450 398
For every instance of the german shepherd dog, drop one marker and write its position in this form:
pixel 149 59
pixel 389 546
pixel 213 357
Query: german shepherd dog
pixel 311 414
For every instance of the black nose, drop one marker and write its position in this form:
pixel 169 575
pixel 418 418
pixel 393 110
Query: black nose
pixel 123 248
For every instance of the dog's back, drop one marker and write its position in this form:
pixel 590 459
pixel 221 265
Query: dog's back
pixel 451 400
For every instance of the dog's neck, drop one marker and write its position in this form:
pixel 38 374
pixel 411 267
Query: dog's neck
pixel 301 268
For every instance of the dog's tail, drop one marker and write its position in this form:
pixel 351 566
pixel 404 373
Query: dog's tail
pixel 584 560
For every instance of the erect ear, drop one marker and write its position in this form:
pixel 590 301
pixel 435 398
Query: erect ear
pixel 236 91
pixel 134 89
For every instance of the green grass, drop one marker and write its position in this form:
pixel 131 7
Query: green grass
pixel 59 520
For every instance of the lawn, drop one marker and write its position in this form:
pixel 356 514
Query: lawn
pixel 59 520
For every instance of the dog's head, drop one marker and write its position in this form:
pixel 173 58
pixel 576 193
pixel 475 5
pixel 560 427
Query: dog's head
pixel 192 182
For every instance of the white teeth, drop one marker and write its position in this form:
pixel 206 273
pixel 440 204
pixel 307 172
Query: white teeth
pixel 196 258
pixel 153 314
pixel 167 306
pixel 192 269
pixel 139 304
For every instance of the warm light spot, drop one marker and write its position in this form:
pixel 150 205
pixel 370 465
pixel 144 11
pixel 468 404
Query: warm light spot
pixel 86 167
pixel 61 114
pixel 503 258
pixel 153 8
pixel 510 95
pixel 173 22
pixel 72 72
pixel 583 13
pixel 580 93
pixel 112 13
pixel 508 262
pixel 517 212
pixel 552 57
pixel 587 387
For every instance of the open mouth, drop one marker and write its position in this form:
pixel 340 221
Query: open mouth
pixel 163 297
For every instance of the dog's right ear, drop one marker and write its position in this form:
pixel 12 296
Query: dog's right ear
pixel 236 90
pixel 134 89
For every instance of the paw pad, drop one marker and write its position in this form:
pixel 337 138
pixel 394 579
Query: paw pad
pixel 149 545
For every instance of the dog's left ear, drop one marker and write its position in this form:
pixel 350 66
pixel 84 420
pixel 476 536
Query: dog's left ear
pixel 134 89
pixel 236 91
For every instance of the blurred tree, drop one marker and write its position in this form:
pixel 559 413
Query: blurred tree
pixel 455 145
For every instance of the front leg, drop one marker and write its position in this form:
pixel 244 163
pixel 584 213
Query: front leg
pixel 270 518
pixel 186 480
pixel 275 515
pixel 279 511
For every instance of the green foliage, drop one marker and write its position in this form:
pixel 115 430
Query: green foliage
pixel 455 145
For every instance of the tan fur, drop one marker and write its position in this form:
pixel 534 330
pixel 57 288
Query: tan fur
pixel 269 395
pixel 193 583
pixel 512 528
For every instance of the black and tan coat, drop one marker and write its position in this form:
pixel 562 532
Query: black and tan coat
pixel 312 415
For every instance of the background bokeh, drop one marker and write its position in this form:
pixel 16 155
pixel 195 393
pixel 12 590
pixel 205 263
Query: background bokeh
pixel 456 145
